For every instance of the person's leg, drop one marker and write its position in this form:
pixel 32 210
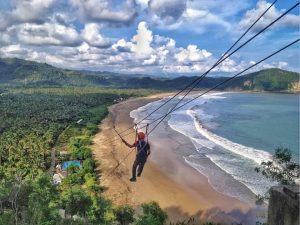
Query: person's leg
pixel 134 166
pixel 141 167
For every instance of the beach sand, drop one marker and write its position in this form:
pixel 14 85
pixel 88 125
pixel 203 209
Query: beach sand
pixel 178 188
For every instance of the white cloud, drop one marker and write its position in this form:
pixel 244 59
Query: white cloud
pixel 204 18
pixel 5 38
pixel 279 64
pixel 222 8
pixel 250 16
pixel 13 51
pixel 46 34
pixel 60 43
pixel 192 54
pixel 91 34
pixel 26 11
pixel 168 11
pixel 150 61
pixel 31 10
pixel 143 3
pixel 105 11
pixel 186 15
pixel 142 40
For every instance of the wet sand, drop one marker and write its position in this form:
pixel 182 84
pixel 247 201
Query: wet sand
pixel 178 188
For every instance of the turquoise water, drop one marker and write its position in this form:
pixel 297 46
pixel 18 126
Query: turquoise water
pixel 232 134
pixel 263 121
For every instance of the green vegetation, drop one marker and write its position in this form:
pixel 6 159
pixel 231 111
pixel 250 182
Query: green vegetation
pixel 152 214
pixel 44 112
pixel 265 80
pixel 17 72
pixel 34 123
pixel 282 169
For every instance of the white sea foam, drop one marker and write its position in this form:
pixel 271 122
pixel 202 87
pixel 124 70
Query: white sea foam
pixel 251 153
pixel 232 158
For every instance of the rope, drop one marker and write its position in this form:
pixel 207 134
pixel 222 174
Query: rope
pixel 202 76
pixel 261 31
pixel 129 153
pixel 199 79
pixel 216 86
pixel 227 80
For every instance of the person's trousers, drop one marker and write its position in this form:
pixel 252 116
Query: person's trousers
pixel 139 165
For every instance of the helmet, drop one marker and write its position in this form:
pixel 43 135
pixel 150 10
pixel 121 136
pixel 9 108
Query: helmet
pixel 141 135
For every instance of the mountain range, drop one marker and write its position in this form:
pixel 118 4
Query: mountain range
pixel 18 72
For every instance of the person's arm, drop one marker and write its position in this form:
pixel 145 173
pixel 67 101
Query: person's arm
pixel 127 144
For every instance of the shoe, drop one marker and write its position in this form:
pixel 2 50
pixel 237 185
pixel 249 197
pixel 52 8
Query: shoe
pixel 133 179
pixel 139 175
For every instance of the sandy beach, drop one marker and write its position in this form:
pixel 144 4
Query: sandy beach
pixel 179 189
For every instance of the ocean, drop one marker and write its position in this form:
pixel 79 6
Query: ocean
pixel 232 133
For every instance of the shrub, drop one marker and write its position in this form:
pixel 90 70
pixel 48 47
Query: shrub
pixel 81 153
pixel 89 165
pixel 124 215
pixel 91 129
pixel 282 169
pixel 76 201
pixel 152 214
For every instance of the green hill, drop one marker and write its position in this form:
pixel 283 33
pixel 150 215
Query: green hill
pixel 18 72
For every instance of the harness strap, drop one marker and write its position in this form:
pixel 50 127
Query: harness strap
pixel 136 135
pixel 147 127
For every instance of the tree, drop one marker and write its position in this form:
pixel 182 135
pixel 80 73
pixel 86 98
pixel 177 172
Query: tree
pixel 152 214
pixel 124 215
pixel 76 201
pixel 282 169
pixel 42 206
pixel 100 211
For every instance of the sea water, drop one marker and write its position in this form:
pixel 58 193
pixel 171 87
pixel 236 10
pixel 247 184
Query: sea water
pixel 232 134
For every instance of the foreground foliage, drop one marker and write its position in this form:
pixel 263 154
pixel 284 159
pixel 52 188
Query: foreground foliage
pixel 34 123
pixel 282 168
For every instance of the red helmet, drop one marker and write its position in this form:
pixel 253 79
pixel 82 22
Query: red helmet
pixel 141 135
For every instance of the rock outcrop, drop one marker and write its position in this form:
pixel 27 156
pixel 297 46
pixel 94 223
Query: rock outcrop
pixel 284 205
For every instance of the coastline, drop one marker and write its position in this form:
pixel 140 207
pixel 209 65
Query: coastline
pixel 164 179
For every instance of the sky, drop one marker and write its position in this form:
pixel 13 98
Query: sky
pixel 155 37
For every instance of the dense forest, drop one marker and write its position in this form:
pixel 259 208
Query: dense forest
pixel 33 124
pixel 17 72
pixel 45 111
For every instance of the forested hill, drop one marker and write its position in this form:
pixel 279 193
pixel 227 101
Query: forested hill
pixel 18 72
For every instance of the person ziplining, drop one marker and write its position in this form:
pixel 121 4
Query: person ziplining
pixel 142 152
pixel 144 147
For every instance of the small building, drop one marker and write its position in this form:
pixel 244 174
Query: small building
pixel 58 177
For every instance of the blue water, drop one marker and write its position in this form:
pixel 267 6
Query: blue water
pixel 262 121
pixel 232 134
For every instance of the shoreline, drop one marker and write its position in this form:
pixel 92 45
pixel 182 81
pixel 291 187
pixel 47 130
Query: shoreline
pixel 164 178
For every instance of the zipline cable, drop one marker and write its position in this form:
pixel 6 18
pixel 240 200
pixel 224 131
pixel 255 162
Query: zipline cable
pixel 211 89
pixel 261 31
pixel 222 59
pixel 197 79
pixel 227 80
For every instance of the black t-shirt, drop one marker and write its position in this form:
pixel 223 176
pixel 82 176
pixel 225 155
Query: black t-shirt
pixel 142 149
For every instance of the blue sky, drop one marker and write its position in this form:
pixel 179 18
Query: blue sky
pixel 161 37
